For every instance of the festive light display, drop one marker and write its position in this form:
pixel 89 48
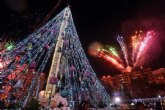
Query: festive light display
pixel 140 42
pixel 9 45
pixel 136 39
pixel 95 48
pixel 3 40
pixel 143 46
pixel 70 64
pixel 113 51
pixel 124 48
pixel 112 59
pixel 70 71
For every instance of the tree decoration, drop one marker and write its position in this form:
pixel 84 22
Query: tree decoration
pixel 64 93
pixel 86 73
pixel 33 65
pixel 72 68
pixel 53 80
pixel 9 46
pixel 29 47
pixel 29 57
pixel 46 47
pixel 69 61
pixel 19 84
pixel 33 105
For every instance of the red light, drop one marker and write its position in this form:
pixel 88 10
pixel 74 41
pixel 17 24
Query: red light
pixel 104 76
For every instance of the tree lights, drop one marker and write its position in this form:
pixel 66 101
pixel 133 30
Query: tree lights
pixel 70 71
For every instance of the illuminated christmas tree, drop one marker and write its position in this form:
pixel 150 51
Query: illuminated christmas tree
pixel 70 72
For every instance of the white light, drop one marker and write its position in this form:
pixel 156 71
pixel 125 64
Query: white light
pixel 159 96
pixel 117 99
pixel 1 65
pixel 132 104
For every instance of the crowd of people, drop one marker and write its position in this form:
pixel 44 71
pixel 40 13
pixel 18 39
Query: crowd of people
pixel 85 105
pixel 140 106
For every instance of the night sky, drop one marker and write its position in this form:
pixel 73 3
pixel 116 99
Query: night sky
pixel 95 20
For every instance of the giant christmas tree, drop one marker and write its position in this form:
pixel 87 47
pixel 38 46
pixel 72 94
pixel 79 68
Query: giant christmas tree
pixel 70 72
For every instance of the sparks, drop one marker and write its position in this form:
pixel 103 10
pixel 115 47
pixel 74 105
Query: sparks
pixel 144 45
pixel 112 60
pixel 140 43
pixel 9 46
pixel 113 51
pixel 136 39
pixel 124 48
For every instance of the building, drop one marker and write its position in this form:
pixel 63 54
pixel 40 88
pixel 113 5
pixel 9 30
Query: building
pixel 139 82
pixel 159 76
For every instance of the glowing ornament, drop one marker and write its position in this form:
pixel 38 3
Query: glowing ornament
pixel 59 84
pixel 9 46
pixel 19 84
pixel 42 74
pixel 72 68
pixel 46 47
pixel 29 47
pixel 64 93
pixel 53 80
pixel 87 73
pixel 33 65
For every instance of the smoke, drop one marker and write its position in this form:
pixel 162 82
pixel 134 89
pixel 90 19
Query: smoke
pixel 93 48
pixel 147 21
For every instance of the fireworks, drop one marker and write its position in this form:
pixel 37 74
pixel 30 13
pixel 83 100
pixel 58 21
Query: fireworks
pixel 9 45
pixel 140 43
pixel 112 51
pixel 124 48
pixel 112 59
pixel 95 48
pixel 115 62
pixel 135 43
pixel 144 44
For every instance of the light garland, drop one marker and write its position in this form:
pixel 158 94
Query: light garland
pixel 76 79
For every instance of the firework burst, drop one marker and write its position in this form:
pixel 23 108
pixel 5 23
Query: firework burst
pixel 140 43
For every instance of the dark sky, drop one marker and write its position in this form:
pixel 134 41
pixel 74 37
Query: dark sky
pixel 95 20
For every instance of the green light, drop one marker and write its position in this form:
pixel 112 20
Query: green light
pixel 113 51
pixel 10 47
